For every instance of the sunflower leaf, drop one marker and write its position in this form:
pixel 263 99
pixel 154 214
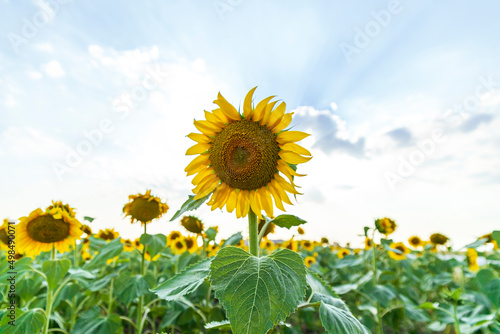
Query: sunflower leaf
pixel 218 325
pixel 93 322
pixel 496 236
pixel 287 221
pixel 189 205
pixel 154 243
pixel 24 322
pixel 233 240
pixel 336 317
pixel 257 292
pixel 110 250
pixel 318 285
pixel 185 282
pixel 89 219
pixel 55 271
pixel 129 287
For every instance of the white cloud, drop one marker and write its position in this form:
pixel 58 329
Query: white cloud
pixel 34 75
pixel 28 142
pixel 53 69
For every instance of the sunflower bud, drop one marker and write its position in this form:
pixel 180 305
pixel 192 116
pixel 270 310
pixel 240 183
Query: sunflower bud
pixel 192 224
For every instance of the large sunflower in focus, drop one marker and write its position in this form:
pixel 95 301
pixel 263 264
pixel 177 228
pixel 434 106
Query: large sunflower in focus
pixel 37 232
pixel 144 208
pixel 240 157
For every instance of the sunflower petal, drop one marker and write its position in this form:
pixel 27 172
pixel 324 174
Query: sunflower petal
pixel 220 115
pixel 292 157
pixel 295 148
pixel 282 193
pixel 201 175
pixel 197 162
pixel 207 188
pixel 266 201
pixel 255 203
pixel 285 121
pixel 276 196
pixel 291 136
pixel 213 119
pixel 276 116
pixel 267 112
pixel 285 185
pixel 207 128
pixel 198 149
pixel 231 201
pixel 258 113
pixel 227 108
pixel 247 104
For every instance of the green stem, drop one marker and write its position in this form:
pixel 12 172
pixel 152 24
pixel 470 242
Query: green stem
pixel 48 307
pixel 110 299
pixel 263 230
pixel 141 298
pixel 74 255
pixel 253 228
pixel 375 282
pixel 73 312
pixel 455 317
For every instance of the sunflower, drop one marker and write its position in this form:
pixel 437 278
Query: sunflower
pixel 415 241
pixel 179 246
pixel 309 260
pixel 267 244
pixel 240 157
pixel 369 243
pixel 128 246
pixel 65 207
pixel 490 240
pixel 39 231
pixel 472 259
pixel 385 225
pixel 300 230
pixel 291 244
pixel 343 252
pixel 307 245
pixel 240 244
pixel 86 229
pixel 173 236
pixel 137 244
pixel 192 224
pixel 325 241
pixel 144 208
pixel 191 243
pixel 357 251
pixel 400 247
pixel 212 250
pixel 438 239
pixel 107 234
pixel 4 235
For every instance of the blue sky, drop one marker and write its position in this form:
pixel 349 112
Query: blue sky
pixel 401 98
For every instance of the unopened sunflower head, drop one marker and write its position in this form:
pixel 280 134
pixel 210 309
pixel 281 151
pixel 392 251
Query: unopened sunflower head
pixel 59 205
pixel 438 239
pixel 40 230
pixel 385 225
pixel 144 208
pixel 240 157
pixel 192 224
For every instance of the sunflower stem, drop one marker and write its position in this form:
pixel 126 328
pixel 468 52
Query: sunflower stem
pixel 375 282
pixel 48 307
pixel 253 237
pixel 141 298
pixel 263 230
pixel 74 255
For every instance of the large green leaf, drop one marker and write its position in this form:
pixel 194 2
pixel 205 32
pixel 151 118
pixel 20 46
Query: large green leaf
pixel 336 317
pixel 55 271
pixel 185 282
pixel 23 322
pixel 318 285
pixel 233 240
pixel 110 250
pixel 287 221
pixel 155 243
pixel 189 205
pixel 496 236
pixel 129 287
pixel 257 292
pixel 93 322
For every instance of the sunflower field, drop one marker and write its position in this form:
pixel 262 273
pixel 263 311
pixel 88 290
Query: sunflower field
pixel 59 275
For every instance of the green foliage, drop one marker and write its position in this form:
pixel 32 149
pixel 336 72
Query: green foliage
pixel 287 221
pixel 189 205
pixel 94 322
pixel 257 292
pixel 55 270
pixel 24 322
pixel 185 282
pixel 109 251
pixel 154 243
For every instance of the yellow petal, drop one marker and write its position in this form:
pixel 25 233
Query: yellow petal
pixel 295 148
pixel 260 108
pixel 213 119
pixel 285 121
pixel 201 175
pixel 276 116
pixel 276 196
pixel 199 138
pixel 293 158
pixel 227 108
pixel 265 200
pixel 199 161
pixel 198 149
pixel 245 203
pixel 291 136
pixel 267 112
pixel 279 189
pixel 231 201
pixel 207 188
pixel 238 206
pixel 220 115
pixel 207 128
pixel 247 104
pixel 255 203
pixel 223 197
pixel 285 185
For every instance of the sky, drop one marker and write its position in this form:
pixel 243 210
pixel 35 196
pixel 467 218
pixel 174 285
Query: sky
pixel 401 99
